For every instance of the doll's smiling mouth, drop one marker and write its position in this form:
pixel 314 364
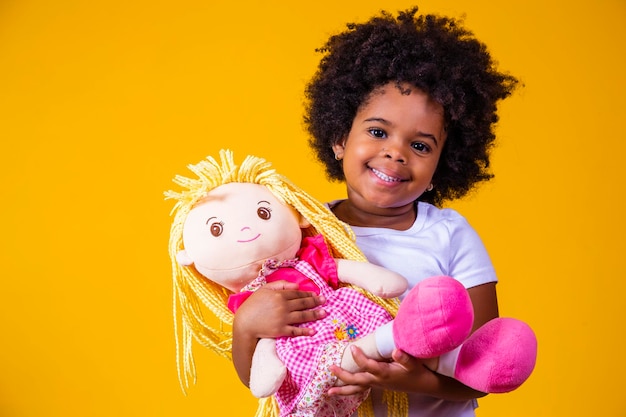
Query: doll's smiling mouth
pixel 249 240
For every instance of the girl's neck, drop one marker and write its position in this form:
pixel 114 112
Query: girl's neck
pixel 401 218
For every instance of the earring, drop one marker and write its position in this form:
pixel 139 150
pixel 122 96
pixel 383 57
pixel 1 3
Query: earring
pixel 337 158
pixel 430 187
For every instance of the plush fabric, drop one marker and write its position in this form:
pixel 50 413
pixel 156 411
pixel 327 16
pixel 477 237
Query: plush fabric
pixel 498 357
pixel 435 317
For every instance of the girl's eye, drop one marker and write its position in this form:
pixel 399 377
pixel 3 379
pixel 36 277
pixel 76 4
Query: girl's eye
pixel 264 213
pixel 420 147
pixel 217 228
pixel 377 133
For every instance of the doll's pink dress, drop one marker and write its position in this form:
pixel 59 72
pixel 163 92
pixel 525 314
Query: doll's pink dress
pixel 350 315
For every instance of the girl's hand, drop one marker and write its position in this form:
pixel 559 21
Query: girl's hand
pixel 274 309
pixel 404 373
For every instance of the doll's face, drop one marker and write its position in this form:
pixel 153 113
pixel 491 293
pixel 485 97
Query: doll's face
pixel 230 233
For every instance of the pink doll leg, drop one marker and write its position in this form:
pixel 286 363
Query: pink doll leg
pixel 498 357
pixel 435 317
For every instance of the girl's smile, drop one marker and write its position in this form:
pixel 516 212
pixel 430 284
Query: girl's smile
pixel 384 177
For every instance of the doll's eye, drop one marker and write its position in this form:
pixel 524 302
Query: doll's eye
pixel 217 228
pixel 264 213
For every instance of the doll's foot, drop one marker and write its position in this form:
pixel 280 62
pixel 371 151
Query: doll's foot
pixel 498 357
pixel 435 317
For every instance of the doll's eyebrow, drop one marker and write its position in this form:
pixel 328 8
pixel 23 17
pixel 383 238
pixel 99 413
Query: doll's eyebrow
pixel 263 201
pixel 209 219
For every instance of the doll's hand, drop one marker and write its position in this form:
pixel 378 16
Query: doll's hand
pixel 404 373
pixel 274 310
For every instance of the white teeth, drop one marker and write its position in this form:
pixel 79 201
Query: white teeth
pixel 385 177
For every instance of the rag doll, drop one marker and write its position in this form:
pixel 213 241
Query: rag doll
pixel 239 227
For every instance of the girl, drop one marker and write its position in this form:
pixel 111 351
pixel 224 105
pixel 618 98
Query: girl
pixel 402 109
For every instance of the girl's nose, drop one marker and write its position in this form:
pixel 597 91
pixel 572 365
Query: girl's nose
pixel 394 153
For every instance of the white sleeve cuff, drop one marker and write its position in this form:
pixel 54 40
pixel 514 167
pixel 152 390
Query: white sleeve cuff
pixel 384 340
pixel 447 362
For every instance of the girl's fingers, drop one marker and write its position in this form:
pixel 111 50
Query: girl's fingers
pixel 281 285
pixel 350 383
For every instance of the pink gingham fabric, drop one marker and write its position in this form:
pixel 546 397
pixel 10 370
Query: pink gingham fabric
pixel 350 315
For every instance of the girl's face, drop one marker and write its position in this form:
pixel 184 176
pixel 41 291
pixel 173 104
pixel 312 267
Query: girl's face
pixel 392 150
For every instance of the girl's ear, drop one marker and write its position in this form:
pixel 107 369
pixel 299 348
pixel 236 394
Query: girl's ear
pixel 339 149
pixel 183 259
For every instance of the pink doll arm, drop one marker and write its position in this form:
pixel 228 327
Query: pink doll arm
pixel 373 278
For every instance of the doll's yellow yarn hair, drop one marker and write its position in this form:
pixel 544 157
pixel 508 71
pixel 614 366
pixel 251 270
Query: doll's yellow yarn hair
pixel 192 292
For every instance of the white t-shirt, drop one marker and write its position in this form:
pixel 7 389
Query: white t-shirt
pixel 440 242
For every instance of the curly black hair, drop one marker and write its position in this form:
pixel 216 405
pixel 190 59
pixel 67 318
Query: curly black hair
pixel 433 53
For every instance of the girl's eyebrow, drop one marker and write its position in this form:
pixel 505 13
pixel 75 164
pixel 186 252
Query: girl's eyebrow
pixel 378 119
pixel 388 123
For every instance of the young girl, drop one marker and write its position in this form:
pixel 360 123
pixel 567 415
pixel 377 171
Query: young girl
pixel 403 110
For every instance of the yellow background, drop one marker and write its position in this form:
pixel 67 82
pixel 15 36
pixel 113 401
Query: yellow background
pixel 103 102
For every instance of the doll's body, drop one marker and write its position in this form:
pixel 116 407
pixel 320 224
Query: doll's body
pixel 233 236
pixel 241 230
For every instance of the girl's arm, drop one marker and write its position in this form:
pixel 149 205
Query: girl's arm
pixel 271 312
pixel 409 374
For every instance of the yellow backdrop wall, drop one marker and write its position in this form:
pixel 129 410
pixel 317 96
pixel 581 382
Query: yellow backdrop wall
pixel 102 103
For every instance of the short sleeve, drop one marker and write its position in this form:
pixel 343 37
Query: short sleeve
pixel 315 251
pixel 469 261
